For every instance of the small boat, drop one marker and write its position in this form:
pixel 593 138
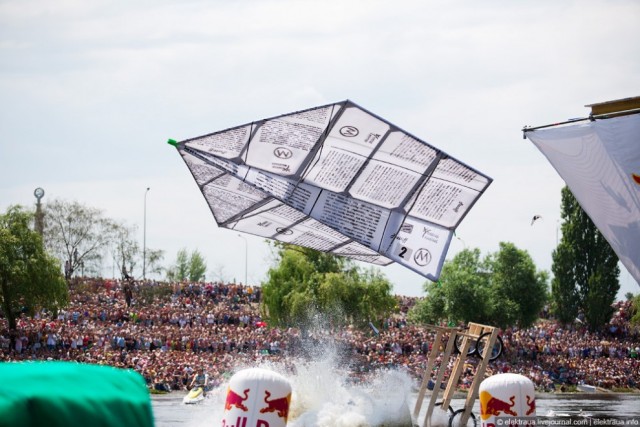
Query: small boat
pixel 195 395
pixel 586 388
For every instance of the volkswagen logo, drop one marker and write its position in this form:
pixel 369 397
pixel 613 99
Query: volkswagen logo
pixel 282 153
pixel 422 257
pixel 285 231
pixel 349 131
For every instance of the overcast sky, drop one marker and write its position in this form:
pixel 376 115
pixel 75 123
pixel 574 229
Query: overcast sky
pixel 91 90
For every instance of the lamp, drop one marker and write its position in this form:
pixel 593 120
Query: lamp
pixel 246 252
pixel 144 237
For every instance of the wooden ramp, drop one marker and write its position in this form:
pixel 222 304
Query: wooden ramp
pixel 469 337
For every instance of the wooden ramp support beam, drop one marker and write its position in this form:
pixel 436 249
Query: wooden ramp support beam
pixel 436 385
pixel 470 338
pixel 472 394
pixel 427 371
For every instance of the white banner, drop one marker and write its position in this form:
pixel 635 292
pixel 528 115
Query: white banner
pixel 600 162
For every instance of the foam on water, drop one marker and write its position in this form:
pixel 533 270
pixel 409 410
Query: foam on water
pixel 322 397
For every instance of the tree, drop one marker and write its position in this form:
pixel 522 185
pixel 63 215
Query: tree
pixel 197 266
pixel 125 249
pixel 305 282
pixel 461 294
pixel 281 297
pixel 30 279
pixel 433 308
pixel 585 268
pixel 127 254
pixel 635 311
pixel 503 289
pixel 190 267
pixel 519 292
pixel 77 235
pixel 154 256
pixel 565 301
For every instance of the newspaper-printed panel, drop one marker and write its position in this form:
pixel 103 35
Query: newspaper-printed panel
pixel 334 168
pixel 297 195
pixel 359 130
pixel 360 221
pixel 280 145
pixel 319 227
pixel 350 143
pixel 270 221
pixel 280 222
pixel 442 202
pixel 358 252
pixel 310 234
pixel 384 184
pixel 452 170
pixel 227 144
pixel 238 170
pixel 228 196
pixel 202 172
pixel 406 151
pixel 417 244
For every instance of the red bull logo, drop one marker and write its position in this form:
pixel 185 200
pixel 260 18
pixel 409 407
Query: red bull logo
pixel 280 405
pixel 242 422
pixel 492 406
pixel 234 399
pixel 531 403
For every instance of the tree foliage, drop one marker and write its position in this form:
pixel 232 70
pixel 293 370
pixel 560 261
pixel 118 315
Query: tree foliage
pixel 585 268
pixel 503 289
pixel 192 267
pixel 30 279
pixel 128 256
pixel 154 257
pixel 461 294
pixel 125 248
pixel 305 283
pixel 519 292
pixel 635 311
pixel 77 235
pixel 565 301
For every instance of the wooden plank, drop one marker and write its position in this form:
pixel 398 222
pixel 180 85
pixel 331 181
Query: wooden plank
pixel 615 106
pixel 433 354
pixel 436 385
pixel 456 372
pixel 479 376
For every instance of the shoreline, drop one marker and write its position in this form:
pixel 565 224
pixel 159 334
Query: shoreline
pixel 550 395
pixel 463 394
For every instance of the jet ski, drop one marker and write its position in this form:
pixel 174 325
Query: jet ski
pixel 195 395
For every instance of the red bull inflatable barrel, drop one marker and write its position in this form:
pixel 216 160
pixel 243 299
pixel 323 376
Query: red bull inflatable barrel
pixel 507 399
pixel 257 397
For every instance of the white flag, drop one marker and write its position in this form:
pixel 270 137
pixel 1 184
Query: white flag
pixel 600 162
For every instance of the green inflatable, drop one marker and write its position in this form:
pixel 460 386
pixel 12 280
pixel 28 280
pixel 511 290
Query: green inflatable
pixel 71 394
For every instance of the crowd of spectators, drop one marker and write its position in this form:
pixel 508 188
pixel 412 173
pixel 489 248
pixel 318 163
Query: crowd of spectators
pixel 167 331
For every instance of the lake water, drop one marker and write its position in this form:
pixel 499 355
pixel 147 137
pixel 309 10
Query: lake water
pixel 566 409
pixel 321 398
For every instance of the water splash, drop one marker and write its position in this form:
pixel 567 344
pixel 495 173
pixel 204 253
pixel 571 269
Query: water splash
pixel 325 393
pixel 323 396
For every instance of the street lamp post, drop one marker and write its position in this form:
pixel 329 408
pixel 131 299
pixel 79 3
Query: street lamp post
pixel 246 256
pixel 39 193
pixel 144 237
